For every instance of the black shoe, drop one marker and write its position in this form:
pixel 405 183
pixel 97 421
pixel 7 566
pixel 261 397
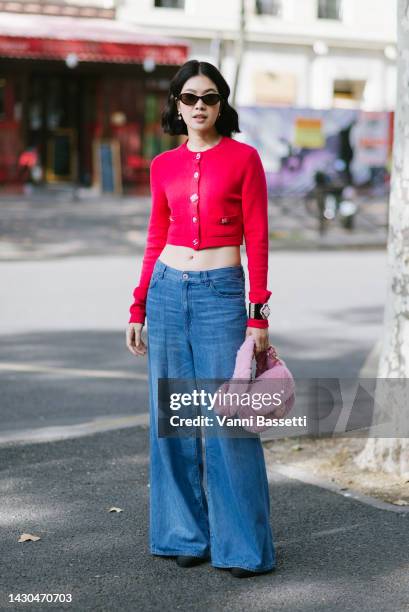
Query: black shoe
pixel 186 561
pixel 240 572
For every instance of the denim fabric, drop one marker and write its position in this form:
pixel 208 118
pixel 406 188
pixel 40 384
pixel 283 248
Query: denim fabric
pixel 196 322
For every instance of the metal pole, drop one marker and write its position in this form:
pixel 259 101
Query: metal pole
pixel 239 49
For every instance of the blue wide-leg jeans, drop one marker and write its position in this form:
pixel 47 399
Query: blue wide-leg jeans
pixel 196 323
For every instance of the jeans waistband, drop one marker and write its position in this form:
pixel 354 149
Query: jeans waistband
pixel 197 276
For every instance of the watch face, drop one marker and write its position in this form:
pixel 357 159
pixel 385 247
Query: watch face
pixel 265 310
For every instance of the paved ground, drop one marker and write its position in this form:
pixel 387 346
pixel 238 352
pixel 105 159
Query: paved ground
pixel 63 362
pixel 334 554
pixel 52 224
pixel 63 358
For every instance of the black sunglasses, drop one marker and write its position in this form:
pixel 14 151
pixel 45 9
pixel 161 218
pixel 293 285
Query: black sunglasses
pixel 190 99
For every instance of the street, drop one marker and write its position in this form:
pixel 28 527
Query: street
pixel 63 357
pixel 334 554
pixel 64 364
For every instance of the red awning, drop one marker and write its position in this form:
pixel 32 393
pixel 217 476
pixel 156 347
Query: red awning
pixel 91 40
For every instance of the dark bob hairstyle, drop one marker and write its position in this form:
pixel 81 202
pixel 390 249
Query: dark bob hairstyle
pixel 226 124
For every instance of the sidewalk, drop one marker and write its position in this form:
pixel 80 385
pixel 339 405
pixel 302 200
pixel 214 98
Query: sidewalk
pixel 328 462
pixel 292 227
pixel 49 225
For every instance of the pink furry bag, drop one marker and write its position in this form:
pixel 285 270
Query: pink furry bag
pixel 272 377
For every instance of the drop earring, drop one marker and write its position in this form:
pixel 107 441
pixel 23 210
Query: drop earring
pixel 180 116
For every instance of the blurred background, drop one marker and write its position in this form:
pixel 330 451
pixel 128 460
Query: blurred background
pixel 82 86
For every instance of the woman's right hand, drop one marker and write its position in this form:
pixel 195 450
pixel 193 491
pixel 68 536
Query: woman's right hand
pixel 134 340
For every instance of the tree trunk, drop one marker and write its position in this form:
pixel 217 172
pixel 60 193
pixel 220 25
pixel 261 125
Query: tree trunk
pixel 391 454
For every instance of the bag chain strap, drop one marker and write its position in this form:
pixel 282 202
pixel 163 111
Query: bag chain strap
pixel 272 352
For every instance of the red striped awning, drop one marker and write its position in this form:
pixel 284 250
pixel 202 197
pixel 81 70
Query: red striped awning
pixel 90 40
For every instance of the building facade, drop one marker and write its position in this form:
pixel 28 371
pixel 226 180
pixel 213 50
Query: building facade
pixel 80 74
pixel 307 53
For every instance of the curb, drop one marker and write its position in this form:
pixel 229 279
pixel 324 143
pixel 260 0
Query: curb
pixel 368 370
pixel 315 246
pixel 370 366
pixel 297 474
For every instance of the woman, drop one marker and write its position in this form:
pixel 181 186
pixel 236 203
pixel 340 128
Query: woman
pixel 205 194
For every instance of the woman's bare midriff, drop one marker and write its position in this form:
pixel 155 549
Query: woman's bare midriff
pixel 185 258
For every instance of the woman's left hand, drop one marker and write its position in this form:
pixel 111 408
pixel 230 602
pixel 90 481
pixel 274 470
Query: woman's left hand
pixel 260 336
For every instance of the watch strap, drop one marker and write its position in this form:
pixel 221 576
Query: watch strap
pixel 259 311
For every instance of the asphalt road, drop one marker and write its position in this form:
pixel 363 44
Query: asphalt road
pixel 51 224
pixel 333 553
pixel 63 362
pixel 63 358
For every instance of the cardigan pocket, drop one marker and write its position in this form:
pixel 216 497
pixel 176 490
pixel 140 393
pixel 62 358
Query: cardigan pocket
pixel 225 225
pixel 177 225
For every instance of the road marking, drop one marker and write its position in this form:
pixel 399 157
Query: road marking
pixel 62 432
pixel 321 534
pixel 76 372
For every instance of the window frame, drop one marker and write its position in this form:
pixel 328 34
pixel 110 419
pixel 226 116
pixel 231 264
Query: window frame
pixel 340 11
pixel 279 16
pixel 171 8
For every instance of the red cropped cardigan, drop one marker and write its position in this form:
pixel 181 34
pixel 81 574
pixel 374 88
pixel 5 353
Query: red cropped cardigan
pixel 208 199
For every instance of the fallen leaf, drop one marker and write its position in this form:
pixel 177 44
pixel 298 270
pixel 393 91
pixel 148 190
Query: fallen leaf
pixel 296 447
pixel 26 537
pixel 113 509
